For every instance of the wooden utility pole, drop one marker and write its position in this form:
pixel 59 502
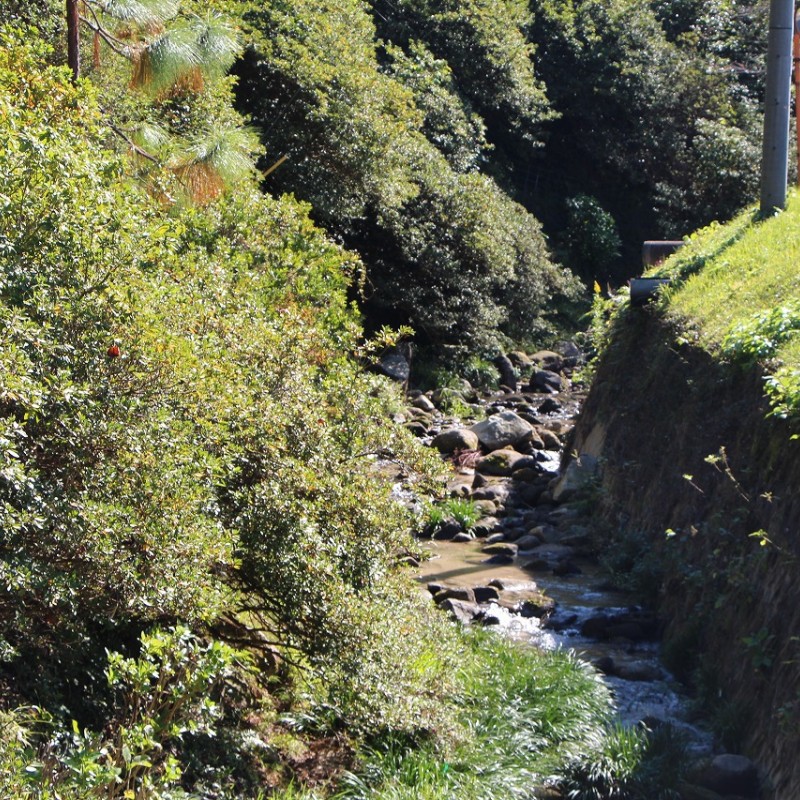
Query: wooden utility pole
pixel 73 39
pixel 775 160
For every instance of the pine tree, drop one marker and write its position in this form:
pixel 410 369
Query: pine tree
pixel 176 58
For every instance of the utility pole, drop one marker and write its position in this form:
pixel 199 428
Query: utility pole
pixel 775 160
pixel 797 87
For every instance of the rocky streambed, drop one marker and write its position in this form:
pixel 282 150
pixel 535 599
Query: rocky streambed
pixel 529 565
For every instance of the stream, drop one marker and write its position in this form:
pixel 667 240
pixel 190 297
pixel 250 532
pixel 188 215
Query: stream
pixel 649 694
pixel 581 612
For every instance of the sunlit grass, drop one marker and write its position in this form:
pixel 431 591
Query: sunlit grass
pixel 732 284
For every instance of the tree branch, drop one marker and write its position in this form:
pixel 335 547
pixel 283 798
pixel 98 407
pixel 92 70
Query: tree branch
pixel 135 147
pixel 117 45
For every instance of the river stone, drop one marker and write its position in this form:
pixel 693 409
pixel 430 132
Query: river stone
pixel 462 537
pixel 423 403
pixel 447 529
pixel 528 542
pixel 497 494
pixel 637 671
pixel 549 406
pixel 462 611
pixel 449 441
pixel 526 475
pixel 417 428
pixel 483 594
pixel 729 774
pixel 519 359
pixel 499 462
pixel 542 380
pixel 500 548
pixel 549 439
pixel 454 593
pixel 553 552
pixel 528 603
pixel 499 560
pixel 486 507
pixel 486 526
pixel 537 565
pixel 505 429
pixel 547 359
pixel 508 375
pixel 494 538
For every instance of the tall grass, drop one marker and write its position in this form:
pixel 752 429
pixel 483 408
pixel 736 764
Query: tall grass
pixel 524 715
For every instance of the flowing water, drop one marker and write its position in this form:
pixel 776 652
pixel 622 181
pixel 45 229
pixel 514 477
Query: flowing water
pixel 659 698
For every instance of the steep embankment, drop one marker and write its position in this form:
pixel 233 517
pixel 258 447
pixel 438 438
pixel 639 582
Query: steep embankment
pixel 699 480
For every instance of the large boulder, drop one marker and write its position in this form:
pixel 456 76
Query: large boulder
pixel 449 441
pixel 543 380
pixel 499 462
pixel 547 359
pixel 508 375
pixel 395 366
pixel 505 429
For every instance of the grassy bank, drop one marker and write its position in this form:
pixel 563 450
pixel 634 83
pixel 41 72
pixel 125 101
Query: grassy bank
pixel 737 295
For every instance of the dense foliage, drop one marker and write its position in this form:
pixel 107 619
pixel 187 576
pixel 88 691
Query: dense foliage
pixel 184 440
pixel 649 109
pixel 386 149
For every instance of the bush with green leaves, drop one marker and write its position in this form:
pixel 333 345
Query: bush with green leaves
pixel 185 437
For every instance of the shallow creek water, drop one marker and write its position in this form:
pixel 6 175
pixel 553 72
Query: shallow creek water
pixel 659 699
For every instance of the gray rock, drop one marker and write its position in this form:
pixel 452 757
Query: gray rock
pixel 455 439
pixel 537 565
pixel 549 406
pixel 729 774
pixel 423 403
pixel 497 494
pixel 499 462
pixel 508 375
pixel 447 529
pixel 527 475
pixel 454 593
pixel 483 594
pixel 505 429
pixel 501 548
pixel 486 526
pixel 519 359
pixel 549 439
pixel 528 542
pixel 501 559
pixel 486 507
pixel 462 611
pixel 460 538
pixel 417 428
pixel 542 380
pixel 548 360
pixel 494 538
pixel 396 366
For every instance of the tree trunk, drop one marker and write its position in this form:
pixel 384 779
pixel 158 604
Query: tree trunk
pixel 73 39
